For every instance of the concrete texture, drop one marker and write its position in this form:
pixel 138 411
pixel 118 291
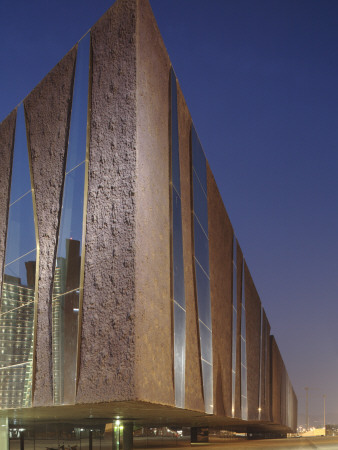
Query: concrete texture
pixel 7 131
pixel 108 345
pixel 47 112
pixel 153 332
pixel 193 371
pixel 220 255
pixel 253 333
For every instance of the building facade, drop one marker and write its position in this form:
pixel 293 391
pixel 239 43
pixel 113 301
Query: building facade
pixel 125 295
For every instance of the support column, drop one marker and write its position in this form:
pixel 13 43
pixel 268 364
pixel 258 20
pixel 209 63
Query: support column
pixel 4 437
pixel 127 436
pixel 90 440
pixel 22 441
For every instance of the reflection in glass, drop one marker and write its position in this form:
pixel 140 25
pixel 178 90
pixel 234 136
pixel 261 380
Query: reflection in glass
pixel 175 155
pixel 206 343
pixel 66 287
pixel 179 294
pixel 203 295
pixel 200 205
pixel 179 354
pixel 72 208
pixel 234 323
pixel 21 182
pixel 207 387
pixel 201 246
pixel 76 152
pixel 198 159
pixel 260 403
pixel 65 310
pixel 21 230
pixel 201 253
pixel 177 254
pixel 18 287
pixel 244 395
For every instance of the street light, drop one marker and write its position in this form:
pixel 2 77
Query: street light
pixel 324 398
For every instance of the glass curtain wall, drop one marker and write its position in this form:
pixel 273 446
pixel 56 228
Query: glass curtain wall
pixel 67 288
pixel 244 395
pixel 202 276
pixel 234 323
pixel 261 353
pixel 177 255
pixel 18 287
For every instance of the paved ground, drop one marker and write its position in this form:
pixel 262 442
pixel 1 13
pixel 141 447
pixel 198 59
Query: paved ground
pixel 317 443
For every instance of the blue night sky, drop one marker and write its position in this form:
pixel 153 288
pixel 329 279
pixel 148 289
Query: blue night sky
pixel 260 78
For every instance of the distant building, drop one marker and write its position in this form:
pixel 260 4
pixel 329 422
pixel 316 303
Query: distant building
pixel 126 299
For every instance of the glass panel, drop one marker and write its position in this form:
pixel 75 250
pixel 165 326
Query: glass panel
pixel 203 296
pixel 20 169
pixel 200 203
pixel 72 209
pixel 179 349
pixel 244 407
pixel 16 334
pixel 78 124
pixel 243 324
pixel 65 310
pixel 234 336
pixel 15 391
pixel 243 287
pixel 17 300
pixel 234 322
pixel 175 159
pixel 178 263
pixel 207 387
pixel 260 367
pixel 206 343
pixel 201 246
pixel 179 294
pixel 243 352
pixel 21 229
pixel 22 271
pixel 4 438
pixel 198 159
pixel 234 273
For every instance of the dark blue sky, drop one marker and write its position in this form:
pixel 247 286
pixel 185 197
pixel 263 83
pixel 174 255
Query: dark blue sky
pixel 260 79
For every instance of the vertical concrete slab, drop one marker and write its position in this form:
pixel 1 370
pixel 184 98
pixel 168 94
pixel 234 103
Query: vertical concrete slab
pixel 154 334
pixel 7 130
pixel 47 111
pixel 253 332
pixel 220 256
pixel 107 345
pixel 193 375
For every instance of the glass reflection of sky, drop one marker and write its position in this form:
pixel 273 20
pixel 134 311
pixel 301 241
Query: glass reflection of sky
pixel 78 128
pixel 177 249
pixel 201 247
pixel 17 302
pixel 21 240
pixel 21 182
